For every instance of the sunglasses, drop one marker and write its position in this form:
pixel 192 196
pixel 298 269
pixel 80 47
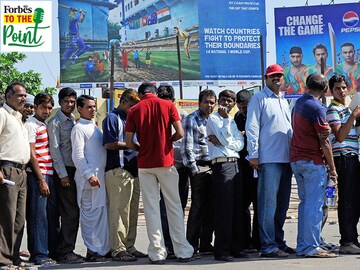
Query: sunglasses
pixel 29 106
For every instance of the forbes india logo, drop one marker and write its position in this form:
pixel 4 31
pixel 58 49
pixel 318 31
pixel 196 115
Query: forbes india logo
pixel 26 26
pixel 350 20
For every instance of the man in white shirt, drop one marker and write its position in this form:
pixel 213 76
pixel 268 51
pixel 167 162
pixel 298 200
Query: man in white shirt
pixel 225 142
pixel 14 155
pixel 89 157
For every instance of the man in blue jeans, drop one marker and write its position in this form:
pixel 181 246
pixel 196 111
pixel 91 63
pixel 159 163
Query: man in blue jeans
pixel 42 212
pixel 269 134
pixel 308 145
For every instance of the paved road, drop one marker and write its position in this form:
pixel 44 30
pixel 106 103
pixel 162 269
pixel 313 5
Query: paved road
pixel 330 233
pixel 207 262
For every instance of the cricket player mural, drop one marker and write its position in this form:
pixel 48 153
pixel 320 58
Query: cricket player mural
pixel 84 39
pixel 144 34
pixel 310 38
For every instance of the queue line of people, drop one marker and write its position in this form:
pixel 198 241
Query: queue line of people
pixel 96 177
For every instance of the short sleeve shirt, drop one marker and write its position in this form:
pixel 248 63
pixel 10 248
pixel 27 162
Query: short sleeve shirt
pixel 308 119
pixel 337 115
pixel 151 119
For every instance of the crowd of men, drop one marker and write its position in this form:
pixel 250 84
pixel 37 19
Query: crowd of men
pixel 63 172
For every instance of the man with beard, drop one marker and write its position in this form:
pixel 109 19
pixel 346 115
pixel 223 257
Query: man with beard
pixel 295 76
pixel 269 132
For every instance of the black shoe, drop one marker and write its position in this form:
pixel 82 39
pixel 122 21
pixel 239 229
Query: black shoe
pixel 196 255
pixel 240 254
pixel 158 262
pixel 289 250
pixel 224 258
pixel 170 255
pixel 108 255
pixel 207 249
pixel 186 260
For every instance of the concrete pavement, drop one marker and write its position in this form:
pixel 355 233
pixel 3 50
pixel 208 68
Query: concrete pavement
pixel 330 233
pixel 207 262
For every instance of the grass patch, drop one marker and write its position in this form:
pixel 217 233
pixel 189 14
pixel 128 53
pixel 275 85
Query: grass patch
pixel 168 60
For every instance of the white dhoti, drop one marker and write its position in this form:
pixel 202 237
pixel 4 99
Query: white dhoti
pixel 94 224
pixel 89 157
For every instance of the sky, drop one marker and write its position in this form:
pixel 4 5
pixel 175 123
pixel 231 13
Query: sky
pixel 48 64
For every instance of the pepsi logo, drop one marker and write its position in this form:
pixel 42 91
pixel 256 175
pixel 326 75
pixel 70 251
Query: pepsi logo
pixel 350 19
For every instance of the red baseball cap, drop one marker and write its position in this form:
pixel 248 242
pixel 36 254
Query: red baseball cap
pixel 274 69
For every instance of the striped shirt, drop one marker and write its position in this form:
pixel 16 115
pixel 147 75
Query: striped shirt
pixel 194 145
pixel 38 135
pixel 337 115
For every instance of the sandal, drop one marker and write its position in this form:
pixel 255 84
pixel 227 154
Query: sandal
pixel 139 254
pixel 24 253
pixel 321 253
pixel 48 263
pixel 71 258
pixel 124 256
pixel 94 257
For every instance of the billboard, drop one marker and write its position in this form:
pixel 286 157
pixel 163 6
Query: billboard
pixel 305 35
pixel 219 41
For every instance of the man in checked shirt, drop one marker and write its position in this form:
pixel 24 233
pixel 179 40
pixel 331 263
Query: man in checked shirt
pixel 195 155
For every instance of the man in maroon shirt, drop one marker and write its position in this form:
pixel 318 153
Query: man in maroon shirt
pixel 151 119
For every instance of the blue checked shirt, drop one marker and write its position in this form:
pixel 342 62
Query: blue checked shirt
pixel 194 145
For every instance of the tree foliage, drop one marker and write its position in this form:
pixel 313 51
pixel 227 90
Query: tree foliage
pixel 9 73
pixel 113 30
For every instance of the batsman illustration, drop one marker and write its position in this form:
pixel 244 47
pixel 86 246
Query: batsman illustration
pixel 75 45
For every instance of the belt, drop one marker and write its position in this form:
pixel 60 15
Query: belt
pixel 223 160
pixel 203 163
pixel 6 163
pixel 350 155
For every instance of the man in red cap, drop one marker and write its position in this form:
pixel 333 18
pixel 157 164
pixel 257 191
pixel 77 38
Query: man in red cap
pixel 269 132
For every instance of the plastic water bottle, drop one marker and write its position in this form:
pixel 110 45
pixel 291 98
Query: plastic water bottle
pixel 330 193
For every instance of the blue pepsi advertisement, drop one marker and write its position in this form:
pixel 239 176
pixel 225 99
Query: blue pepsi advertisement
pixel 318 39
